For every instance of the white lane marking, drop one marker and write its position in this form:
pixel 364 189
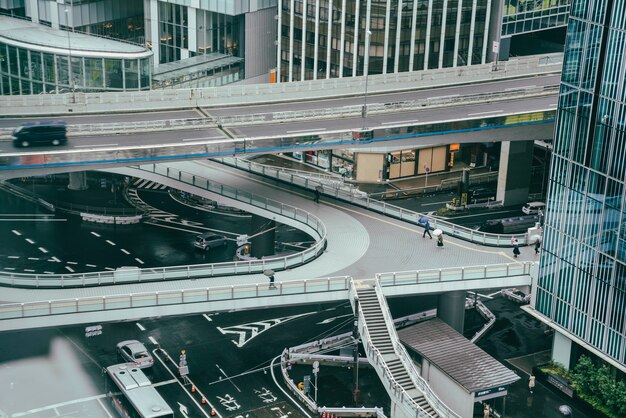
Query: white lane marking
pixel 33 258
pixel 521 88
pixel 207 317
pixel 138 260
pixel 30 241
pixel 34 219
pixel 49 407
pixel 95 233
pixel 552 105
pixel 104 408
pixel 91 265
pixel 152 340
pixel 95 145
pixel 55 259
pixel 171 227
pixel 124 251
pixel 70 269
pixel 227 378
pixel 200 139
pixel 43 250
pixel 306 130
pixel 14 256
pixel 278 385
pixel 29 270
pixel 71 262
pixel 435 203
pixel 49 272
pixel 109 268
pixel 110 242
pixel 485 113
pixel 399 121
pixel 18 233
pixel 9 268
pixel 141 327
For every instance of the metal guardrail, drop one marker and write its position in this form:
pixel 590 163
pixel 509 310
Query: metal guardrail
pixel 361 199
pixel 272 93
pixel 442 409
pixel 225 293
pixel 169 297
pixel 191 271
pixel 393 388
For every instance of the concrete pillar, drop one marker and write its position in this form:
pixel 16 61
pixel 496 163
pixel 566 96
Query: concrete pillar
pixel 514 174
pixel 263 244
pixel 451 309
pixel 78 181
pixel 561 349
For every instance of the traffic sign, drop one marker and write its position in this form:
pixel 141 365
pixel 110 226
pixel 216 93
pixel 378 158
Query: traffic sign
pixel 316 367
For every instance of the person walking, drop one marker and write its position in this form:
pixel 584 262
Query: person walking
pixel 531 383
pixel 516 251
pixel 537 245
pixel 427 229
pixel 440 240
pixel 486 411
pixel 270 276
pixel 317 194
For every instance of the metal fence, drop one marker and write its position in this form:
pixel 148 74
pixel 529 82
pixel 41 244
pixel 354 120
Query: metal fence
pixel 133 275
pixel 363 200
pixel 280 92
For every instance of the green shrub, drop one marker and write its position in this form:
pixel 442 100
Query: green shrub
pixel 596 385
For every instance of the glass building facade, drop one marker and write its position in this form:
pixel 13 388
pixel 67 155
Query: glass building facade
pixel 343 38
pixel 523 16
pixel 36 59
pixel 581 288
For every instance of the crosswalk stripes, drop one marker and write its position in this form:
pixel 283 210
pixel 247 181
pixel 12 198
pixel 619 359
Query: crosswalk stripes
pixel 148 184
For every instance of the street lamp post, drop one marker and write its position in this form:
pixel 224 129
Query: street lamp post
pixel 366 71
pixel 70 74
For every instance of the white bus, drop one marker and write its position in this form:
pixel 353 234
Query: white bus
pixel 141 399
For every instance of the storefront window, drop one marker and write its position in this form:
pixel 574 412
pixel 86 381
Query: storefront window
pixel 401 164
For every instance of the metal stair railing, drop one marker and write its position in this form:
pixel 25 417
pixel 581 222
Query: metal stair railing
pixel 442 409
pixel 394 389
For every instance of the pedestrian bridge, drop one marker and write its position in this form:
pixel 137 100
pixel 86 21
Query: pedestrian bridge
pixel 518 110
pixel 117 307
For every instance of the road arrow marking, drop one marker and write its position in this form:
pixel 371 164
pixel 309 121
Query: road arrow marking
pixel 183 409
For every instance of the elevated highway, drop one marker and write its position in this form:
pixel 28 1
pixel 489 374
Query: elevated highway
pixel 515 99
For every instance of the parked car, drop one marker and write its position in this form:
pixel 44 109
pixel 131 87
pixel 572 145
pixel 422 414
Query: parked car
pixel 38 133
pixel 532 208
pixel 209 240
pixel 135 352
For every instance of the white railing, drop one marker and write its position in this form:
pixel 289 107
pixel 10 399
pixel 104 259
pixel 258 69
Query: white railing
pixel 394 389
pixel 247 94
pixel 221 293
pixel 314 224
pixel 419 382
pixel 170 297
pixel 355 197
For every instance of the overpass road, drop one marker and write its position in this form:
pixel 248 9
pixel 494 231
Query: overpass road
pixel 151 141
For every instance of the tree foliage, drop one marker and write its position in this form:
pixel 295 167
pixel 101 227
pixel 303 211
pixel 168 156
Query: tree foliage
pixel 597 384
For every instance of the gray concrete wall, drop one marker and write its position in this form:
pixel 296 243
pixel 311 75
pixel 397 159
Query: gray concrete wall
pixel 260 34
pixel 451 309
pixel 514 174
pixel 449 391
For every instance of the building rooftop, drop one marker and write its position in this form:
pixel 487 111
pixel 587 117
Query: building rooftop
pixel 188 66
pixel 36 37
pixel 456 356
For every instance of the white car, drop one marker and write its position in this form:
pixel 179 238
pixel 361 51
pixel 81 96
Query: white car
pixel 135 352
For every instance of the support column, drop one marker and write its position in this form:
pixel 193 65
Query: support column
pixel 78 181
pixel 561 349
pixel 262 244
pixel 451 309
pixel 514 174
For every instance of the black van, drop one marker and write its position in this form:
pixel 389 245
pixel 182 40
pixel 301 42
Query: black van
pixel 37 133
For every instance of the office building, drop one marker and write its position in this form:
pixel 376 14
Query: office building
pixel 344 38
pixel 581 288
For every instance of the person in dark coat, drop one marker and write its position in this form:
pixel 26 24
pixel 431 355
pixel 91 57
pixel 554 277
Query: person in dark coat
pixel 537 246
pixel 516 251
pixel 427 230
pixel 317 194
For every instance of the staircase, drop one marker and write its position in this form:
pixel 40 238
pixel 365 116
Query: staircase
pixel 382 341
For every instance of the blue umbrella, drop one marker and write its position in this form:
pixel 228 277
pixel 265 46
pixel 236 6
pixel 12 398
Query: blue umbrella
pixel 423 220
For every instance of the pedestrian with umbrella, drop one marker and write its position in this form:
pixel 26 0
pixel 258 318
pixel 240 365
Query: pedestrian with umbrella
pixel 439 234
pixel 425 221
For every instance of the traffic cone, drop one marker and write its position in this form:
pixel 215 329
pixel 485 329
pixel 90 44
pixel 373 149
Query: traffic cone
pixel 324 414
pixel 203 400
pixel 193 389
pixel 213 413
